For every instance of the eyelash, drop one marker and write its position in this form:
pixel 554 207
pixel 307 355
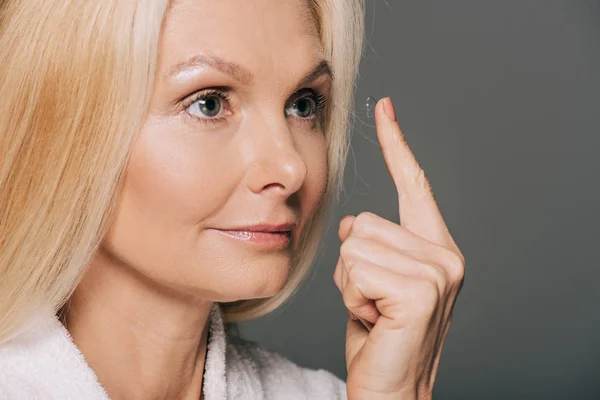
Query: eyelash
pixel 319 98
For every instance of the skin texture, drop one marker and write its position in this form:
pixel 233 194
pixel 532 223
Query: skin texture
pixel 140 314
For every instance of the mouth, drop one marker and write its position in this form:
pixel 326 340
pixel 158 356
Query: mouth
pixel 270 237
pixel 267 240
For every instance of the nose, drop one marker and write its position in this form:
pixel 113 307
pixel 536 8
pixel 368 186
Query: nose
pixel 275 163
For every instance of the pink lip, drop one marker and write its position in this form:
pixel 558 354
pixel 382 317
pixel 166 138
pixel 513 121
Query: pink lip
pixel 283 227
pixel 271 240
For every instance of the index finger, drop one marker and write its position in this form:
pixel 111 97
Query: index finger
pixel 418 209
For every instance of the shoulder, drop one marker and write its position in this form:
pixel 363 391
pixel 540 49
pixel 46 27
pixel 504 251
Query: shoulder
pixel 278 376
pixel 43 363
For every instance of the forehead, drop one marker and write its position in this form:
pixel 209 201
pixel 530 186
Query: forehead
pixel 265 36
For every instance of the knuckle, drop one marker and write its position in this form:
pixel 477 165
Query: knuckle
pixel 348 248
pixel 345 248
pixel 349 296
pixel 462 259
pixel 349 302
pixel 429 272
pixel 338 285
pixel 346 300
pixel 455 265
pixel 337 278
pixel 362 223
pixel 438 275
pixel 353 272
pixel 429 296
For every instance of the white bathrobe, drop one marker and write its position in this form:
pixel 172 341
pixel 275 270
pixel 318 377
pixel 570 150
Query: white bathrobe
pixel 45 364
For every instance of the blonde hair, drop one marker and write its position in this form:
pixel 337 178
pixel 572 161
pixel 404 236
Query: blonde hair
pixel 67 126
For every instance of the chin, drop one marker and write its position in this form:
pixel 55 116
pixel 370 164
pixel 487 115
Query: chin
pixel 272 278
pixel 260 278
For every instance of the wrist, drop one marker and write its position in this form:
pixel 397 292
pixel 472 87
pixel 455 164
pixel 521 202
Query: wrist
pixel 409 391
pixel 403 395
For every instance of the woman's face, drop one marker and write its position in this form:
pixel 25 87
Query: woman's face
pixel 232 139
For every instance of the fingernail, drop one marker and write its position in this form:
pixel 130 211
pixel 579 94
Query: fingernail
pixel 352 316
pixel 388 107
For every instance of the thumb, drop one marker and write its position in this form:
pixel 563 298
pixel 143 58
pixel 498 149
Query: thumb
pixel 345 227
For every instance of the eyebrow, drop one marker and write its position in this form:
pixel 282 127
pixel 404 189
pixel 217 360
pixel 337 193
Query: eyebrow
pixel 240 73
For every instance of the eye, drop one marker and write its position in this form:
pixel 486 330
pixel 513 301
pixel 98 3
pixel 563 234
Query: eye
pixel 304 107
pixel 308 106
pixel 206 105
pixel 209 106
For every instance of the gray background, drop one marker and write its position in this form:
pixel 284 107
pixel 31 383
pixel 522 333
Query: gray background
pixel 500 102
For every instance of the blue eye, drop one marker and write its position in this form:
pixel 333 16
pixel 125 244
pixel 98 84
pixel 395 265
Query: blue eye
pixel 308 107
pixel 303 108
pixel 206 106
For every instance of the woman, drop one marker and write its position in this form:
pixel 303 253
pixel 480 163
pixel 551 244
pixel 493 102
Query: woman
pixel 166 168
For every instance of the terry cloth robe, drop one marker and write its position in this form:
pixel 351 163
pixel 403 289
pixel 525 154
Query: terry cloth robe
pixel 45 364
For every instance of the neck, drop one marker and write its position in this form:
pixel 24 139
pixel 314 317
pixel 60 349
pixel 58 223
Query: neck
pixel 142 341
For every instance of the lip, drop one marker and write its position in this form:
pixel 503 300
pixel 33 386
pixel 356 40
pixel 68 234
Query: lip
pixel 269 236
pixel 282 227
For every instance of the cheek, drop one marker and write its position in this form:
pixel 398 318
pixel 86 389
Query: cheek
pixel 170 189
pixel 173 177
pixel 315 156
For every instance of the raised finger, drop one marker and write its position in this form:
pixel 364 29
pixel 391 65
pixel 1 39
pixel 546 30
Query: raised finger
pixel 418 209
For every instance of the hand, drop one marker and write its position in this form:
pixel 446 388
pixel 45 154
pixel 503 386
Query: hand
pixel 401 281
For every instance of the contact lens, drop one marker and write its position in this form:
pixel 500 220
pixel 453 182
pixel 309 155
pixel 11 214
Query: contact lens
pixel 370 107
